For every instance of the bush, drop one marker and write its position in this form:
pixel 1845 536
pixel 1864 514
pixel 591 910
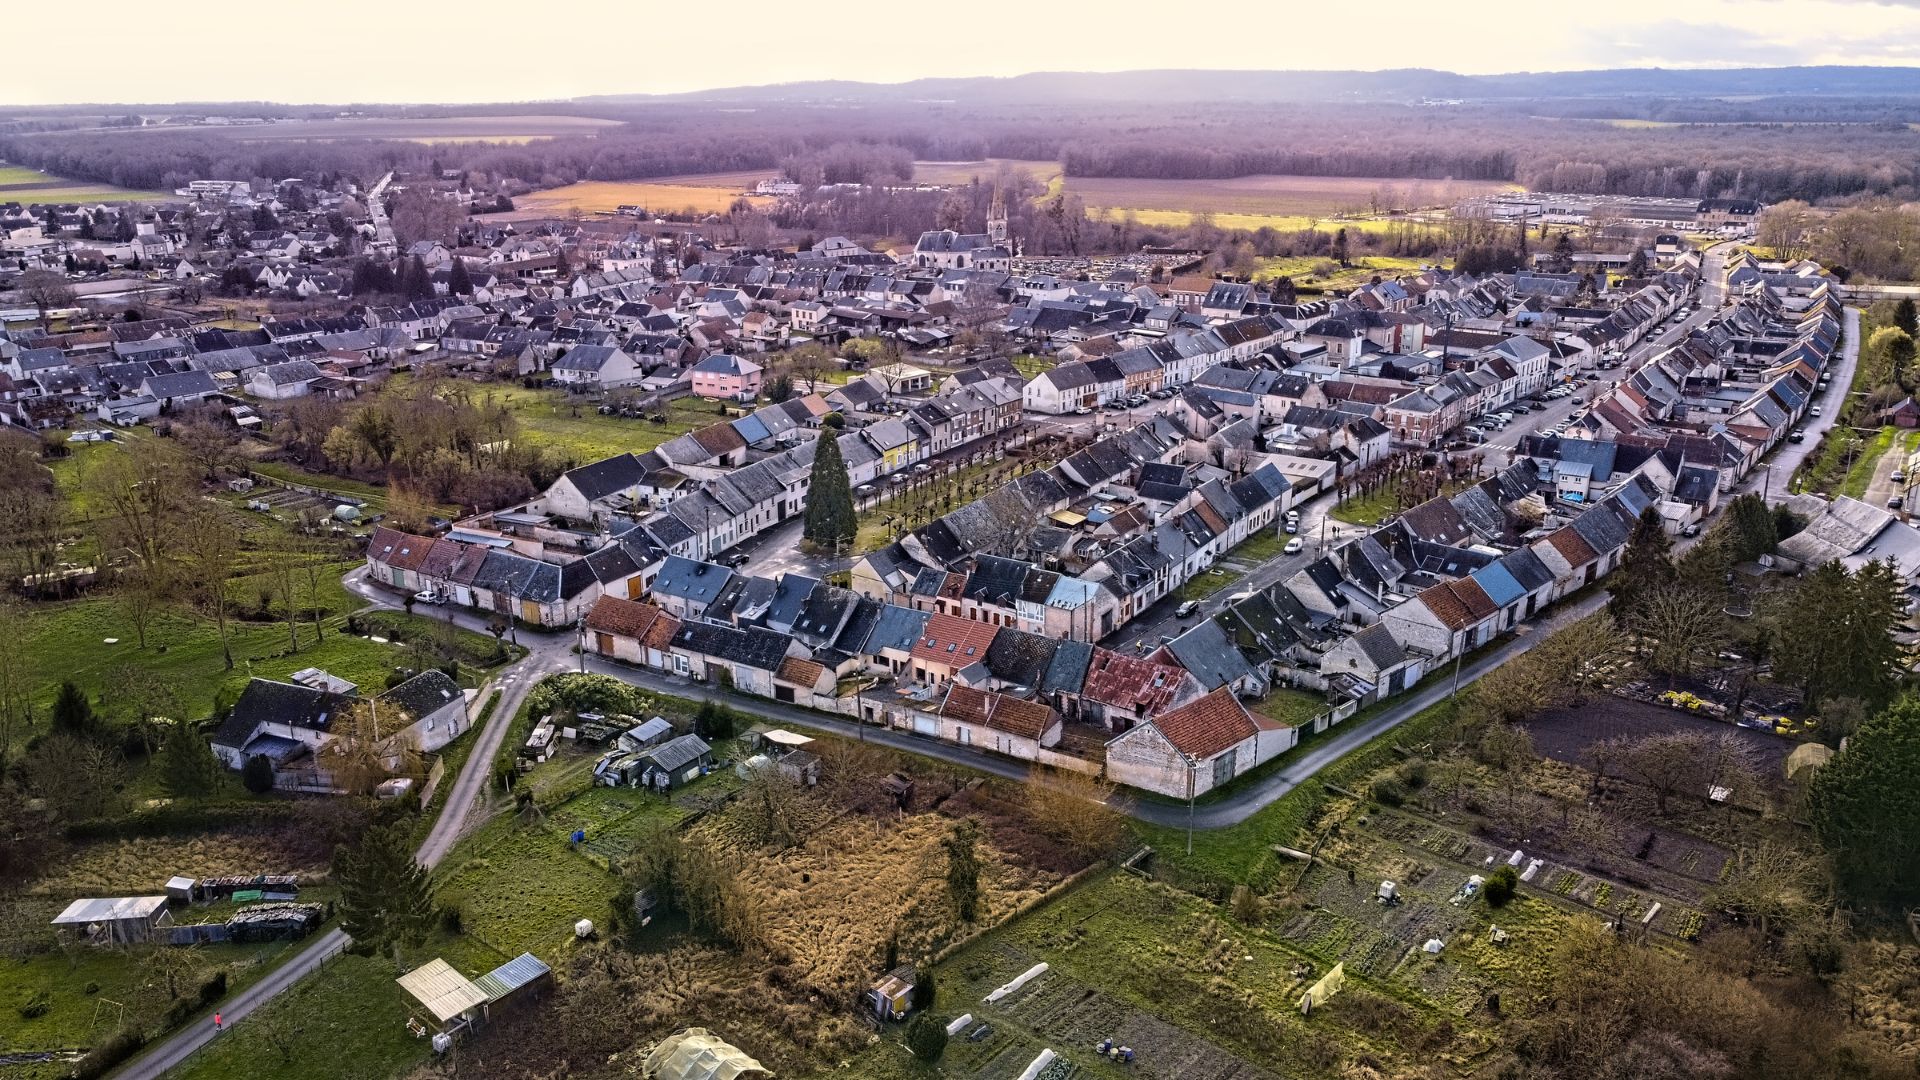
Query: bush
pixel 214 988
pixel 450 918
pixel 926 1037
pixel 115 1049
pixel 258 775
pixel 37 1005
pixel 923 991
pixel 1387 792
pixel 1413 774
pixel 1501 886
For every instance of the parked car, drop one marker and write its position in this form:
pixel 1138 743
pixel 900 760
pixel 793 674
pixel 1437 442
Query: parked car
pixel 427 596
pixel 1896 503
pixel 1796 435
pixel 1815 411
pixel 1186 609
pixel 1898 476
pixel 1295 546
pixel 1692 529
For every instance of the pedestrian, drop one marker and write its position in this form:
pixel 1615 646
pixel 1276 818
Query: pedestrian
pixel 216 1021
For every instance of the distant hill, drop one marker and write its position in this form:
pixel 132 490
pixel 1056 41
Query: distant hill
pixel 1406 84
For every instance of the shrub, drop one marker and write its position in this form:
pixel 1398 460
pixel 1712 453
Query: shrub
pixel 450 918
pixel 1501 886
pixel 214 988
pixel 1413 774
pixel 923 991
pixel 258 774
pixel 1387 792
pixel 37 1005
pixel 926 1037
pixel 115 1049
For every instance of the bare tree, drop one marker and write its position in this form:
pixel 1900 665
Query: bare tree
pixel 208 544
pixel 1671 763
pixel 1680 629
pixel 1770 883
pixel 46 290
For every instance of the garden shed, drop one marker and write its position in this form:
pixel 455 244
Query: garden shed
pixel 118 920
pixel 448 996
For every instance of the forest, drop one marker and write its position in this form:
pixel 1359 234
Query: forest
pixel 1505 141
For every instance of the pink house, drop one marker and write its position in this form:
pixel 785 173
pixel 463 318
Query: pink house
pixel 724 375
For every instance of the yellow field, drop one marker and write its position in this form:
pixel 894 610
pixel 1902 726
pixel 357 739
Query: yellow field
pixel 592 196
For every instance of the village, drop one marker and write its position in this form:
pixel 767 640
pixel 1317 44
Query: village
pixel 685 645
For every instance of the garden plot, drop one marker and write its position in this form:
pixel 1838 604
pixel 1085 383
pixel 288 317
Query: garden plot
pixel 1066 1013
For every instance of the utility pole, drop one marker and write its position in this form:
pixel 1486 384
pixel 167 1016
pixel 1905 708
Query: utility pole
pixel 1457 657
pixel 1192 765
pixel 580 628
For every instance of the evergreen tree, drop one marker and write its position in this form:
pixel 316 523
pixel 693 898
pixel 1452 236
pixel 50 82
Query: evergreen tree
pixel 1904 317
pixel 1835 633
pixel 1752 530
pixel 188 769
pixel 561 266
pixel 1647 566
pixel 459 282
pixel 963 869
pixel 415 281
pixel 1637 263
pixel 926 1037
pixel 830 518
pixel 386 898
pixel 1865 808
pixel 1340 248
pixel 72 712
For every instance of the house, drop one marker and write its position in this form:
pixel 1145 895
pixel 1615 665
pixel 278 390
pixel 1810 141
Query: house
pixel 278 382
pixel 434 703
pixel 630 630
pixel 280 720
pixel 947 644
pixel 596 367
pixel 998 722
pixel 726 376
pixel 1197 747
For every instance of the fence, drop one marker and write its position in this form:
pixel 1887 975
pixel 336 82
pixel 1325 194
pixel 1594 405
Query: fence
pixel 434 776
pixel 312 781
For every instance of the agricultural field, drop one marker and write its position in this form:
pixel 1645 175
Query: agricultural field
pixel 21 184
pixel 1319 272
pixel 676 196
pixel 1247 202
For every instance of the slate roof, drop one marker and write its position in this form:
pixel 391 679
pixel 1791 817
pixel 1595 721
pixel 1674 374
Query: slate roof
pixel 1209 655
pixel 608 476
pixel 896 628
pixel 1067 671
pixel 424 694
pixel 1379 646
pixel 1019 657
pixel 266 701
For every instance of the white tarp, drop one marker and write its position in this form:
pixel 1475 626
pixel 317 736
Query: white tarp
pixel 1013 987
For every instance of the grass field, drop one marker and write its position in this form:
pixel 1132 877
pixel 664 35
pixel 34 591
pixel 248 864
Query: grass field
pixel 574 427
pixel 25 185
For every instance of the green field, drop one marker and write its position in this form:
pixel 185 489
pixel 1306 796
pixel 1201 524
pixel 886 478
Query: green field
pixel 33 186
pixel 572 425
pixel 1320 272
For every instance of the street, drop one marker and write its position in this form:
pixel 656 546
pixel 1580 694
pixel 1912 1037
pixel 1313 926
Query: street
pixel 547 654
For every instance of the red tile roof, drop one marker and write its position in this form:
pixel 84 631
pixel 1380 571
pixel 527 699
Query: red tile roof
pixel 952 640
pixel 395 548
pixel 1445 606
pixel 626 618
pixel 800 672
pixel 1474 598
pixel 1205 726
pixel 1015 716
pixel 1571 547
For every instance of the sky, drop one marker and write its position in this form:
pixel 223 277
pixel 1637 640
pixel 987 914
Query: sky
pixel 394 51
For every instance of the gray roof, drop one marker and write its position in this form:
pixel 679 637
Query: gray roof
pixel 676 754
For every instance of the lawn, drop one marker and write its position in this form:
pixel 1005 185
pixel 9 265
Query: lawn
pixel 1033 366
pixel 1369 509
pixel 1289 198
pixel 1289 706
pixel 79 1017
pixel 928 499
pixel 67 640
pixel 1860 474
pixel 349 1020
pixel 573 426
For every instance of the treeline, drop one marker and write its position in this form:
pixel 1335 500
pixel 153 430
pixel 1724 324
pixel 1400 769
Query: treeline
pixel 1768 162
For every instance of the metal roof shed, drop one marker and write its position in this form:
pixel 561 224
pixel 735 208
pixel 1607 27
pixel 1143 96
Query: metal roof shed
pixel 513 976
pixel 444 992
pixel 118 920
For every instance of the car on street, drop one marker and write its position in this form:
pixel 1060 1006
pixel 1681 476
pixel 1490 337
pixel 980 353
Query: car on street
pixel 1295 546
pixel 1796 435
pixel 1291 527
pixel 1895 503
pixel 1899 476
pixel 1692 529
pixel 1186 609
pixel 427 596
pixel 1815 411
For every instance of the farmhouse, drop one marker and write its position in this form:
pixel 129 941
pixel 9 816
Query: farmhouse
pixel 1197 747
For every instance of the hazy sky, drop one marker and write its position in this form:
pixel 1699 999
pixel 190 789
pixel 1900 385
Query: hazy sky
pixel 420 51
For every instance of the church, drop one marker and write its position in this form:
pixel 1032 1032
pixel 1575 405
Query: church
pixel 944 249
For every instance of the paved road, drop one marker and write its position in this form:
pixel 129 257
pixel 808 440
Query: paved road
pixel 546 654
